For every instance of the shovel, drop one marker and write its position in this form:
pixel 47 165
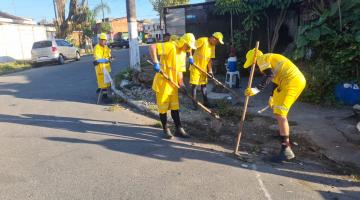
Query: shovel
pixel 241 126
pixel 215 123
pixel 236 95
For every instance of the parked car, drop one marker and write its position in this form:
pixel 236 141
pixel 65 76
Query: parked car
pixel 150 40
pixel 57 50
pixel 119 43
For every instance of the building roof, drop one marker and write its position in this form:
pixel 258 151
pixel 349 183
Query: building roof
pixel 12 19
pixel 191 5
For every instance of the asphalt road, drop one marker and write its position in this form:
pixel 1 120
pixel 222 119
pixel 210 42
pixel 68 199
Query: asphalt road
pixel 56 143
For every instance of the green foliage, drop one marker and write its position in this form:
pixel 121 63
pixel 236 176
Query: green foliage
pixel 90 23
pixel 10 67
pixel 159 5
pixel 101 9
pixel 105 27
pixel 229 6
pixel 127 74
pixel 241 43
pixel 336 51
pixel 255 11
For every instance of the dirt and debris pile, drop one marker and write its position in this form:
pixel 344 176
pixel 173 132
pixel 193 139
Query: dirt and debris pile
pixel 260 134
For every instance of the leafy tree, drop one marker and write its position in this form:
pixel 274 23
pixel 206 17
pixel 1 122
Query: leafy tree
pixel 274 12
pixel 105 27
pixel 102 8
pixel 76 15
pixel 331 46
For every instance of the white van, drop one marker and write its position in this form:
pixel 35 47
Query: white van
pixel 57 50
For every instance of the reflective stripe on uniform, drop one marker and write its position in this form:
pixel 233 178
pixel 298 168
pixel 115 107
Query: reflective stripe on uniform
pixel 277 67
pixel 280 108
pixel 264 66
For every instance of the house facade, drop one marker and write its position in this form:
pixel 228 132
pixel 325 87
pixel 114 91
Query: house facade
pixel 17 36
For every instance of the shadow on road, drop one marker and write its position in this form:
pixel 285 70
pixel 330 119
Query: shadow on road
pixel 74 81
pixel 146 141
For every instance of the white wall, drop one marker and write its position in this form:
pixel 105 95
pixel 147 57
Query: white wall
pixel 16 41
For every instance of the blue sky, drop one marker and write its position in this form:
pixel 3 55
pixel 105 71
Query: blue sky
pixel 43 9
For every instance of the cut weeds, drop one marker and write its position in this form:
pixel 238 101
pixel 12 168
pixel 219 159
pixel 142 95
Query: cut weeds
pixel 260 140
pixel 10 67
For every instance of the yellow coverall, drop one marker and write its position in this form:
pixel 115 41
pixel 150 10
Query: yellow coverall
pixel 288 78
pixel 167 96
pixel 203 54
pixel 102 53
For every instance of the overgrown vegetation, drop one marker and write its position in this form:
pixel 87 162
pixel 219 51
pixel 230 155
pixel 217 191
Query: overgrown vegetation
pixel 127 74
pixel 273 12
pixel 329 49
pixel 10 67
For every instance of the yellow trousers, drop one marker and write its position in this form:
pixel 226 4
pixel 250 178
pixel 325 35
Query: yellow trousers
pixel 100 76
pixel 285 96
pixel 197 77
pixel 167 102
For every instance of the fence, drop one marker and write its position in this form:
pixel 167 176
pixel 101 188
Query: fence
pixel 16 40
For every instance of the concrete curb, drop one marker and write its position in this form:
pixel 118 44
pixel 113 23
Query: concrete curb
pixel 134 104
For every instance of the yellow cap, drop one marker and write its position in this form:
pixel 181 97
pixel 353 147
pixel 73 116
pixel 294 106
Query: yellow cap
pixel 189 39
pixel 174 37
pixel 219 36
pixel 103 36
pixel 250 57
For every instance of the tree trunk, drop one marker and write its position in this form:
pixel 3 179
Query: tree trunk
pixel 279 22
pixel 231 29
pixel 267 30
pixel 251 38
pixel 340 17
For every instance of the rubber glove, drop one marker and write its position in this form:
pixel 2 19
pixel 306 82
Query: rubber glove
pixel 157 67
pixel 211 74
pixel 271 102
pixel 182 89
pixel 191 60
pixel 251 92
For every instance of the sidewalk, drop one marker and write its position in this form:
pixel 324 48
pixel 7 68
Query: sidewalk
pixel 331 129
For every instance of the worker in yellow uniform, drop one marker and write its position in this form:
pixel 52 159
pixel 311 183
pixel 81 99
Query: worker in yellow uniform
pixel 181 59
pixel 205 51
pixel 167 97
pixel 288 81
pixel 102 51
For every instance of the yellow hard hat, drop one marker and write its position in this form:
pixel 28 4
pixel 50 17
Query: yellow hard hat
pixel 189 39
pixel 174 37
pixel 103 36
pixel 219 36
pixel 250 57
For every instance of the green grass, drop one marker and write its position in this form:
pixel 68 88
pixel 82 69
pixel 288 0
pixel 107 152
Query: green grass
pixel 10 67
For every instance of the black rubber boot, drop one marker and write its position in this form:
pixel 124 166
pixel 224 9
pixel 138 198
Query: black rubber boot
pixel 166 130
pixel 167 133
pixel 285 154
pixel 205 98
pixel 105 99
pixel 180 132
pixel 193 94
pixel 195 106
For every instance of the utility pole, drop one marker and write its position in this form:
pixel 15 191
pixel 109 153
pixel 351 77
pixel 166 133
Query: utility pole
pixel 133 35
